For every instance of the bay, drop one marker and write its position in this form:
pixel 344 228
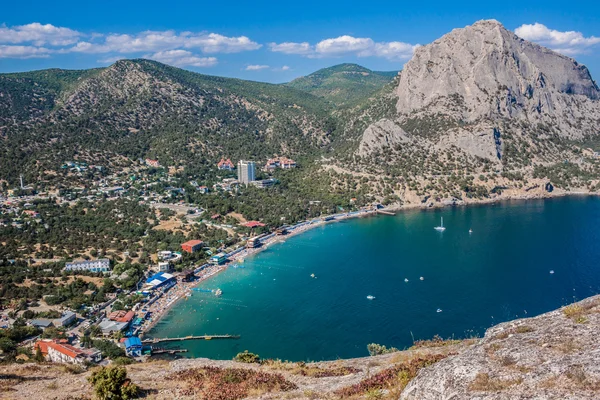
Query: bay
pixel 500 271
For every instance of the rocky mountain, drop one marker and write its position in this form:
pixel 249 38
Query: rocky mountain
pixel 344 84
pixel 478 85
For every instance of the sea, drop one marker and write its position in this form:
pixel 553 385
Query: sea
pixel 305 299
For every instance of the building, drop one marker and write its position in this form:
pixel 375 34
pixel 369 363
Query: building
pixel 109 327
pixel 253 243
pixel 67 319
pixel 225 165
pixel 121 316
pixel 219 259
pixel 281 231
pixel 152 163
pixel 192 246
pixel 253 224
pixel 160 279
pixel 133 346
pixel 164 266
pixel 279 162
pixel 65 353
pixel 203 189
pixel 42 323
pixel 246 171
pixel 99 265
pixel 265 183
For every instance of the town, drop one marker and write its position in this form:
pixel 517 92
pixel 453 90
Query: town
pixel 141 238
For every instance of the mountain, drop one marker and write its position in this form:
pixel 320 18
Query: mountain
pixel 344 84
pixel 141 108
pixel 478 85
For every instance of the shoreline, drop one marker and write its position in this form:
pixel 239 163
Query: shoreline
pixel 186 288
pixel 308 225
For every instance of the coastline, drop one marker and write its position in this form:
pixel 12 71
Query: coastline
pixel 182 291
pixel 308 225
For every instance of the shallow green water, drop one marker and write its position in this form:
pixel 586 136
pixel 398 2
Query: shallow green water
pixel 499 272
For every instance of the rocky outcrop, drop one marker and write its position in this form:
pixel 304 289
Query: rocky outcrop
pixel 383 133
pixel 474 83
pixel 552 356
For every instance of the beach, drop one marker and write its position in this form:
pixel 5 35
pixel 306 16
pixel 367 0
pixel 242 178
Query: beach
pixel 163 302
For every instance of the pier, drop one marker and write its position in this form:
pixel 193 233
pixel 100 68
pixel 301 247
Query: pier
pixel 386 212
pixel 181 339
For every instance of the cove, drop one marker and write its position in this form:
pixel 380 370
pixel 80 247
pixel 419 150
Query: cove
pixel 499 272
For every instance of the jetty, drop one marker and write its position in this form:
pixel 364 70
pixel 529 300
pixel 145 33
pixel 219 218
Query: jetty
pixel 159 350
pixel 181 339
pixel 386 212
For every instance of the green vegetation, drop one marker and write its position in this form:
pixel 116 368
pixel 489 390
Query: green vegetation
pixel 246 357
pixel 112 383
pixel 344 84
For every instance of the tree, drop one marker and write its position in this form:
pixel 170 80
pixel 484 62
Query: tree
pixel 112 383
pixel 7 345
pixel 39 357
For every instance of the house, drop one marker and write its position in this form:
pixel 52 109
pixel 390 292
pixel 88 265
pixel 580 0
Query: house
pixel 225 165
pixel 152 163
pixel 164 266
pixel 65 353
pixel 203 189
pixel 31 213
pixel 67 319
pixel 192 246
pixel 219 259
pixel 281 231
pixel 99 265
pixel 253 224
pixel 133 346
pixel 279 162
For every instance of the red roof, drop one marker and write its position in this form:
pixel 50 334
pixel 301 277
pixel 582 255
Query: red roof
pixel 65 349
pixel 225 163
pixel 253 224
pixel 192 243
pixel 121 316
pixel 215 216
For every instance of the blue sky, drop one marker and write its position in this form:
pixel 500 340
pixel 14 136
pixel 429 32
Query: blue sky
pixel 272 41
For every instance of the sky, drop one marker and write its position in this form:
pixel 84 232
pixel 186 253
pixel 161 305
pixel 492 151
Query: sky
pixel 272 41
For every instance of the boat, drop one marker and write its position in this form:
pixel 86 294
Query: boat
pixel 470 230
pixel 440 228
pixel 312 275
pixel 370 297
pixel 405 279
pixel 421 278
pixel 439 310
pixel 551 271
pixel 218 292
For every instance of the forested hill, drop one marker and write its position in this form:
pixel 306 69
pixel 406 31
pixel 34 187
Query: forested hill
pixel 344 84
pixel 142 108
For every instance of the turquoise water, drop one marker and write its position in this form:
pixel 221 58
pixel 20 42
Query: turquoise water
pixel 499 272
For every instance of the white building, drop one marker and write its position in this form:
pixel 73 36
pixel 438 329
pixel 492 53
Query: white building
pixel 99 265
pixel 246 172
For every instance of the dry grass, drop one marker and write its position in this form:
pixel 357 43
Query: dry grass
pixel 310 370
pixel 484 383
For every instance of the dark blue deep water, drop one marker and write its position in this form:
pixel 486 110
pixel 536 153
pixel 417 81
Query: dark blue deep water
pixel 499 272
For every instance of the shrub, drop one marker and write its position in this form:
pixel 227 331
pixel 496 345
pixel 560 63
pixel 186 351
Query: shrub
pixel 112 383
pixel 246 357
pixel 377 349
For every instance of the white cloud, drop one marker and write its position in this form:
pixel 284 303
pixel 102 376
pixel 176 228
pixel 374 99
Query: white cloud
pixel 303 48
pixel 347 45
pixel 256 67
pixel 38 34
pixel 167 40
pixel 568 42
pixel 182 58
pixel 285 68
pixel 23 52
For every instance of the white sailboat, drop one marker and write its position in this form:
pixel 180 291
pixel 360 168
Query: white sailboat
pixel 440 228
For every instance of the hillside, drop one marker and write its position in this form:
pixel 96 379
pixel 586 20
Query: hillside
pixel 141 108
pixel 553 356
pixel 344 84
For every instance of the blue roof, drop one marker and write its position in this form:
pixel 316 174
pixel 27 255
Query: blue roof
pixel 161 276
pixel 132 341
